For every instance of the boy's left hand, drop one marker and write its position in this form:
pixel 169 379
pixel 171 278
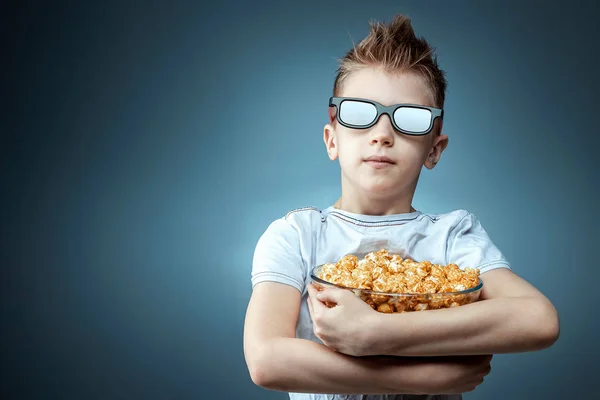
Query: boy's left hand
pixel 347 326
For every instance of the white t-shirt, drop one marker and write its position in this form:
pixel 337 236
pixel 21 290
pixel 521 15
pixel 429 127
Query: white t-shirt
pixel 293 245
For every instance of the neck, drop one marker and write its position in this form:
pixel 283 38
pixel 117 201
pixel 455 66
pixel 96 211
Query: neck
pixel 375 205
pixel 395 200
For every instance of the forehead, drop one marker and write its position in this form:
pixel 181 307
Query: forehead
pixel 387 88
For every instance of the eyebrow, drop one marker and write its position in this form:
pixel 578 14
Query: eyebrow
pixel 426 104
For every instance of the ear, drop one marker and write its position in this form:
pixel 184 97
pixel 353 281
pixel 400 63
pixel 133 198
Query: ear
pixel 330 139
pixel 440 141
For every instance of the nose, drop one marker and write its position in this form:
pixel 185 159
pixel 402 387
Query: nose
pixel 382 132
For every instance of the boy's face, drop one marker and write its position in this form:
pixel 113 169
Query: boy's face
pixel 407 154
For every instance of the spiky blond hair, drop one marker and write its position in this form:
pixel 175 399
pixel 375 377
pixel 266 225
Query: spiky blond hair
pixel 395 48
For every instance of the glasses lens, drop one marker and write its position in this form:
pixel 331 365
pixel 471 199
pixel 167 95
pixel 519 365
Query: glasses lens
pixel 357 113
pixel 411 119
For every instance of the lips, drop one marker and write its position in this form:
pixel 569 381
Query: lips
pixel 380 159
pixel 379 162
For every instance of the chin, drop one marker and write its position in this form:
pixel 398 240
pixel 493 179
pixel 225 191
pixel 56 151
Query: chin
pixel 380 189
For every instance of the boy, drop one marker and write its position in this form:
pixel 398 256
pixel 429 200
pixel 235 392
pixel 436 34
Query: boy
pixel 293 342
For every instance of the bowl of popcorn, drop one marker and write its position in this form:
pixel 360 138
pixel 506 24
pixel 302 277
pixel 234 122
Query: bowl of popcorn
pixel 392 284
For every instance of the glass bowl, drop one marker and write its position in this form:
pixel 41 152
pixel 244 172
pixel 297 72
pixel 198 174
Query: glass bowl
pixel 404 302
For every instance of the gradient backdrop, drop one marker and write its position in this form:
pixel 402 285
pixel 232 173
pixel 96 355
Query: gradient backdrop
pixel 147 146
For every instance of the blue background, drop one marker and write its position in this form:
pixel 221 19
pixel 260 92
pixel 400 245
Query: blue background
pixel 146 147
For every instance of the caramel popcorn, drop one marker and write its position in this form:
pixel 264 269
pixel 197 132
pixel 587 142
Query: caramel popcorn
pixel 406 285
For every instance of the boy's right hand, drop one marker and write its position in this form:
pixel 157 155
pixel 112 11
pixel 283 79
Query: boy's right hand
pixel 450 375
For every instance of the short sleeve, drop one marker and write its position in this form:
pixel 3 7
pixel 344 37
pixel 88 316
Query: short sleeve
pixel 278 257
pixel 470 246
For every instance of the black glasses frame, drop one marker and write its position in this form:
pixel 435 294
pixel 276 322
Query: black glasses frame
pixel 389 110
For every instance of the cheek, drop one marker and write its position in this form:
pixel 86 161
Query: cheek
pixel 414 152
pixel 347 160
pixel 349 151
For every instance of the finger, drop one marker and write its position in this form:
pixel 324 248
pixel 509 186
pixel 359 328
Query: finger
pixel 312 290
pixel 332 295
pixel 310 307
pixel 316 304
pixel 312 293
pixel 312 298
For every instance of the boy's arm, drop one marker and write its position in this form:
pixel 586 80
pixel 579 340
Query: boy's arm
pixel 277 360
pixel 511 316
